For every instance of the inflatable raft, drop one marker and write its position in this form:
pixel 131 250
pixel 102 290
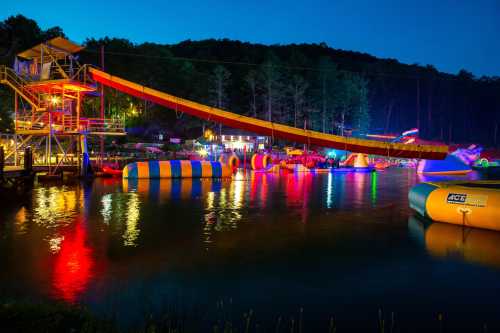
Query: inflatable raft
pixel 176 169
pixel 467 203
pixel 108 171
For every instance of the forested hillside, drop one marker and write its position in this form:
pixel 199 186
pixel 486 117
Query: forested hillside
pixel 311 85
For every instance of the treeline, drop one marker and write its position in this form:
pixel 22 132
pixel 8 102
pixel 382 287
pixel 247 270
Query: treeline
pixel 265 86
pixel 309 85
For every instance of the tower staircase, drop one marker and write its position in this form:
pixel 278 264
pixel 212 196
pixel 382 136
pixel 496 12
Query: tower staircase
pixel 10 78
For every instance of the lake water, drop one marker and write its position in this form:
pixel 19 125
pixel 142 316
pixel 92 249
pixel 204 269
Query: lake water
pixel 340 245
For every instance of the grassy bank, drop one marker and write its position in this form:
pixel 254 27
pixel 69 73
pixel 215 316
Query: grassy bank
pixel 17 316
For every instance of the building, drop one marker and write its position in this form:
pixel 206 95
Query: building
pixel 239 140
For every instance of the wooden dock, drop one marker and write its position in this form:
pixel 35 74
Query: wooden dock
pixel 17 178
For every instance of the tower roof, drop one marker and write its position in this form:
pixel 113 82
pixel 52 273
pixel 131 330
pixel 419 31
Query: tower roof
pixel 59 47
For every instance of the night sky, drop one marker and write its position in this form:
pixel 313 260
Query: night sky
pixel 449 34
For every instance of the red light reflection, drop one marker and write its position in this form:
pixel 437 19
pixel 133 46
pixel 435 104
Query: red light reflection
pixel 73 264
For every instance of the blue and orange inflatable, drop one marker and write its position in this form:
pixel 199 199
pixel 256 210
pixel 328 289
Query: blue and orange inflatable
pixel 176 169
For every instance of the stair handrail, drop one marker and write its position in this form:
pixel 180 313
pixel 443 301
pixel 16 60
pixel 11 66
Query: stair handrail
pixel 10 76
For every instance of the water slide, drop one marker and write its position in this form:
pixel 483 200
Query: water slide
pixel 268 128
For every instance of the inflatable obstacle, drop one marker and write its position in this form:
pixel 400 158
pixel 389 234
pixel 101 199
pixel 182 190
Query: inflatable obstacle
pixel 176 169
pixel 230 160
pixel 451 165
pixel 261 162
pixel 356 162
pixel 466 203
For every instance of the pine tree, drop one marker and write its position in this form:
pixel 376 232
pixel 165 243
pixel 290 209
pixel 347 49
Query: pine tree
pixel 251 82
pixel 272 87
pixel 297 89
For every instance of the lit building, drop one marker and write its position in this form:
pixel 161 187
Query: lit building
pixel 238 140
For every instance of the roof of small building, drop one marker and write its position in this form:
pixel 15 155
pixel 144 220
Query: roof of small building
pixel 59 47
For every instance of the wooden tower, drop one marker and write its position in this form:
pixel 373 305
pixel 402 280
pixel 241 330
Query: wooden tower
pixel 49 86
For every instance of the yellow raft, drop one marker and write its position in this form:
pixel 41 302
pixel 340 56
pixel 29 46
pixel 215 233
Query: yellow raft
pixel 467 203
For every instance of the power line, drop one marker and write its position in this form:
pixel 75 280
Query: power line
pixel 301 68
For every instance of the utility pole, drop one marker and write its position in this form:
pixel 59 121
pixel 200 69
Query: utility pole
pixel 102 109
pixel 418 104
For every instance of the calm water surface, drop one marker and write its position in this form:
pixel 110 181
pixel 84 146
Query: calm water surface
pixel 332 244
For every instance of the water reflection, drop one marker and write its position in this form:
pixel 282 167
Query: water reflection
pixel 55 206
pixel 133 213
pixel 474 175
pixel 161 190
pixel 448 241
pixel 107 207
pixel 329 191
pixel 299 188
pixel 73 264
pixel 21 220
pixel 121 212
pixel 57 216
pixel 223 200
pixel 351 190
pixel 76 224
pixel 374 176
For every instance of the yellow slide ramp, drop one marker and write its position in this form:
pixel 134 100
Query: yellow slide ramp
pixel 268 128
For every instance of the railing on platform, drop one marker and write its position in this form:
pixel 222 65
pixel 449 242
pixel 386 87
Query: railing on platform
pixel 93 125
pixel 32 122
pixel 110 126
pixel 70 124
pixel 9 142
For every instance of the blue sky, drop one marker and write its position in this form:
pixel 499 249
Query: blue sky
pixel 449 34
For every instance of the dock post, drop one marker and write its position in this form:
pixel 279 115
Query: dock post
pixel 2 162
pixel 28 161
pixel 85 159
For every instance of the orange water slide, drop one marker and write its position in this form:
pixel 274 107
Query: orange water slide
pixel 268 128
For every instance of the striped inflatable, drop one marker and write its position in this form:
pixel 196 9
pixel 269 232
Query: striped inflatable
pixel 261 162
pixel 176 169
